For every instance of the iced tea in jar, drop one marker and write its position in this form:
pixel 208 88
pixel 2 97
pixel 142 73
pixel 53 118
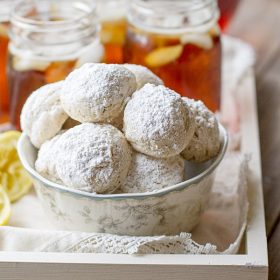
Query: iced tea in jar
pixel 5 8
pixel 180 42
pixel 48 40
pixel 112 17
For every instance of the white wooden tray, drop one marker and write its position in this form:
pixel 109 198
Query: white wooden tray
pixel 252 264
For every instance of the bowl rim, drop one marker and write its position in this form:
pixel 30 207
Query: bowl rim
pixel 158 193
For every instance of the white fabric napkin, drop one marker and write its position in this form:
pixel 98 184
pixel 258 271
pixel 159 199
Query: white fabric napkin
pixel 222 224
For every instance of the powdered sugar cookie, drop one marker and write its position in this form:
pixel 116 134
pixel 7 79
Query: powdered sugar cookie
pixel 205 143
pixel 45 163
pixel 42 115
pixel 147 174
pixel 155 122
pixel 143 75
pixel 93 158
pixel 97 92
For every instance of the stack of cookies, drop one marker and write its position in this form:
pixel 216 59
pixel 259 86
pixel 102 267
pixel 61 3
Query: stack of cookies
pixel 116 128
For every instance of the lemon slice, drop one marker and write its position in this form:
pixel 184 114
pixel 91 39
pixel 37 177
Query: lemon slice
pixel 163 56
pixel 5 207
pixel 13 178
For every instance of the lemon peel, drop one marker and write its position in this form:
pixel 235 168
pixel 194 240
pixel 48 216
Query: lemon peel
pixel 163 56
pixel 13 178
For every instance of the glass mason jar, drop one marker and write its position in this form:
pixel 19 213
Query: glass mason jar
pixel 5 8
pixel 112 17
pixel 180 42
pixel 48 40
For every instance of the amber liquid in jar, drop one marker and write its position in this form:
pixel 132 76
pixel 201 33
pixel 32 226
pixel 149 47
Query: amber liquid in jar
pixel 189 64
pixel 113 24
pixel 49 40
pixel 227 9
pixel 112 36
pixel 25 76
pixel 4 96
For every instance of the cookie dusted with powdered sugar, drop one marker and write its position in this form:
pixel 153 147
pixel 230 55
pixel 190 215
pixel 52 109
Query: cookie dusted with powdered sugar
pixel 42 115
pixel 143 75
pixel 93 158
pixel 45 164
pixel 156 123
pixel 147 174
pixel 205 143
pixel 97 92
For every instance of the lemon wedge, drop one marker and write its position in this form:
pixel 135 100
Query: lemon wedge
pixel 13 178
pixel 163 56
pixel 5 207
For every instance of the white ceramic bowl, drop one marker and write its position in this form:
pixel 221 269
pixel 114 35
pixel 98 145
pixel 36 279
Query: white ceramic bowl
pixel 168 211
